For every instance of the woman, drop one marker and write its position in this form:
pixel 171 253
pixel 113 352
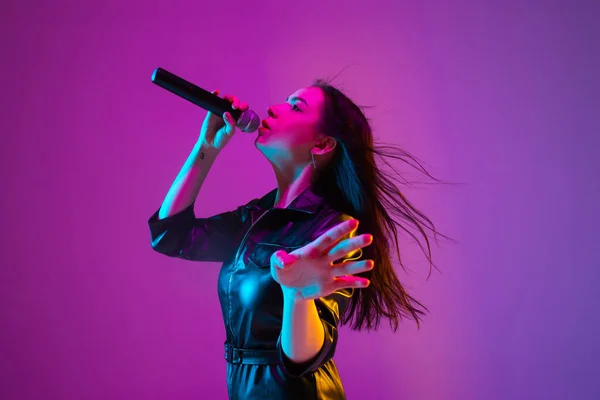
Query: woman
pixel 296 262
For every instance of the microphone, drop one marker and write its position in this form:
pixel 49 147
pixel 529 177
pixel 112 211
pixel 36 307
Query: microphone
pixel 246 121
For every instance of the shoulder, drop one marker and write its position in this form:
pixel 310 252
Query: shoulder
pixel 327 218
pixel 330 217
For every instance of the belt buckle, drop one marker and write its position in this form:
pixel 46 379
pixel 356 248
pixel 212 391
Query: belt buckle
pixel 233 355
pixel 236 356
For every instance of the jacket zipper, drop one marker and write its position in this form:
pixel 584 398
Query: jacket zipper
pixel 235 263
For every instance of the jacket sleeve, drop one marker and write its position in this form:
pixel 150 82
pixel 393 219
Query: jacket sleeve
pixel 182 235
pixel 330 309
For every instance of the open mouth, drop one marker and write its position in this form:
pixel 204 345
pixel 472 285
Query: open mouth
pixel 264 124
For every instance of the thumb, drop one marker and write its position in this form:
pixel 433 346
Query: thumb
pixel 284 259
pixel 228 120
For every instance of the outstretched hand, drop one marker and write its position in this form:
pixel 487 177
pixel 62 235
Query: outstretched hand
pixel 309 272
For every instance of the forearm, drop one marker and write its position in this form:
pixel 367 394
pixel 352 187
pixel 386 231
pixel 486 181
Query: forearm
pixel 302 334
pixel 188 182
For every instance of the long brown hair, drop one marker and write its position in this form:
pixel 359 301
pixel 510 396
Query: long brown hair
pixel 354 181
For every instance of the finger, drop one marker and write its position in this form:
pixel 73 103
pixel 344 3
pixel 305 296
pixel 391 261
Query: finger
pixel 230 118
pixel 230 124
pixel 281 259
pixel 327 239
pixel 227 118
pixel 243 106
pixel 350 245
pixel 276 261
pixel 235 102
pixel 353 267
pixel 350 282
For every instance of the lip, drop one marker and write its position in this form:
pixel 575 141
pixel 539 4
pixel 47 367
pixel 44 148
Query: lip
pixel 265 124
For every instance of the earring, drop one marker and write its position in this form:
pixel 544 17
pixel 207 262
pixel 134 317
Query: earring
pixel 312 155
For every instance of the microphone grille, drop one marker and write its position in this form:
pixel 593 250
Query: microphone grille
pixel 249 121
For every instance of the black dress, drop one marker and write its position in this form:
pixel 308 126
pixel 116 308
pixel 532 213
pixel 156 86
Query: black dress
pixel 251 301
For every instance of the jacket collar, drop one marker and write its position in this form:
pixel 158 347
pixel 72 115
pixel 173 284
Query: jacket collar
pixel 307 202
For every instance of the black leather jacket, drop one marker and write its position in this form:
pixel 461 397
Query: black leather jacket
pixel 251 301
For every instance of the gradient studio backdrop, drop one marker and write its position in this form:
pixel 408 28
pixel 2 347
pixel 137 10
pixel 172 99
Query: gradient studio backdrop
pixel 502 96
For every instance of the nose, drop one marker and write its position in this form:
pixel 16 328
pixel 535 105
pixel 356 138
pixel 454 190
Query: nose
pixel 270 112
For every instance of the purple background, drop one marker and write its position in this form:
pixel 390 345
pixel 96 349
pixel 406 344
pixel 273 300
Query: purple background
pixel 502 96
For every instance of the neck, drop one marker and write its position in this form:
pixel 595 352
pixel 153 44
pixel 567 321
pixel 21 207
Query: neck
pixel 291 182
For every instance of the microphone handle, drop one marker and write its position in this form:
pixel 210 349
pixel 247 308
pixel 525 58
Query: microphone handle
pixel 193 93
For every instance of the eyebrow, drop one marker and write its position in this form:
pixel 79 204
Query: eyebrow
pixel 297 98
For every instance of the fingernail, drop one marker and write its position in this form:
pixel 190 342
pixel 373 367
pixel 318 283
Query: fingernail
pixel 280 261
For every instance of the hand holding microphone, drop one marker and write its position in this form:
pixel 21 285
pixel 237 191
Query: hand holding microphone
pixel 224 114
pixel 216 131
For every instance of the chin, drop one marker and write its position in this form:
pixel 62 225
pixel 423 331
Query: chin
pixel 259 142
pixel 261 145
pixel 265 140
pixel 268 148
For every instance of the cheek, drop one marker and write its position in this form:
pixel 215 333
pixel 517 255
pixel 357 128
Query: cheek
pixel 293 138
pixel 301 139
pixel 296 137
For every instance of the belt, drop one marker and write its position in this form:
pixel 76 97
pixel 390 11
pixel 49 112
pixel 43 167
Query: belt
pixel 234 355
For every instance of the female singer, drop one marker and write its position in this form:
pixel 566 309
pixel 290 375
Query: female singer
pixel 296 262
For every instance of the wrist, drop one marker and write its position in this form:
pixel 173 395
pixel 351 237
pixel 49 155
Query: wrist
pixel 206 152
pixel 292 296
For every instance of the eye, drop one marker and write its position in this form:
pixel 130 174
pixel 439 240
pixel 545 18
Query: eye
pixel 295 107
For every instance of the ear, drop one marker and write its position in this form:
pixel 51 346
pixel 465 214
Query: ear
pixel 324 146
